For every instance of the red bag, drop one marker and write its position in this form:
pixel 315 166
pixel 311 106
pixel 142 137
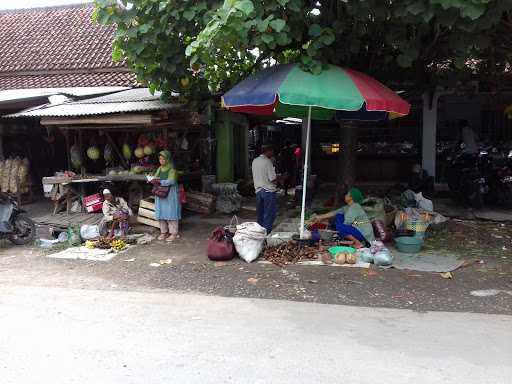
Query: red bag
pixel 381 232
pixel 220 247
pixel 160 191
pixel 183 195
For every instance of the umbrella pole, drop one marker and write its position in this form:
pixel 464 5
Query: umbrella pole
pixel 305 181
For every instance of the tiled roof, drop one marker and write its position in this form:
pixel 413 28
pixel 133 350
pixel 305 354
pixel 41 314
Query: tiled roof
pixel 102 79
pixel 57 47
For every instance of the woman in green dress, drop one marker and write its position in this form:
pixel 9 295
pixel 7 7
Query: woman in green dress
pixel 351 221
pixel 167 209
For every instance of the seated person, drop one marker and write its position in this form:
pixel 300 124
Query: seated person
pixel 116 212
pixel 351 221
pixel 420 181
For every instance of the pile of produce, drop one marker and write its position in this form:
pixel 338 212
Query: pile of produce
pixel 345 258
pixel 103 243
pixel 106 243
pixel 289 253
pixel 118 245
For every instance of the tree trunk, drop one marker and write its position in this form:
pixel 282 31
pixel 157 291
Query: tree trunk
pixel 347 159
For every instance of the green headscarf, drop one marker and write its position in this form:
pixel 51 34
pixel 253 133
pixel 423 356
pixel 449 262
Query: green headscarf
pixel 357 195
pixel 167 171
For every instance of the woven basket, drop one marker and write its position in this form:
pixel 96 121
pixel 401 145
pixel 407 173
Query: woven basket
pixel 418 226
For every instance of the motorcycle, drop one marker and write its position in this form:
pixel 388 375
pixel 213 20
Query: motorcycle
pixel 502 182
pixel 15 225
pixel 468 178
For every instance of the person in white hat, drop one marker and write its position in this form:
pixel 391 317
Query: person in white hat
pixel 116 213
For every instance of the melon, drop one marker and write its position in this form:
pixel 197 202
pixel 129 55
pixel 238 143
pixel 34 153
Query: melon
pixel 148 150
pixel 127 152
pixel 76 158
pixel 139 153
pixel 93 153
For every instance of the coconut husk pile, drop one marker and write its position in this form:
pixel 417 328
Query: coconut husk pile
pixel 290 253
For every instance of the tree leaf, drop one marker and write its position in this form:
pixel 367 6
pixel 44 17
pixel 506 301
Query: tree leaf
pixel 246 6
pixel 315 30
pixel 404 61
pixel 267 38
pixel 189 14
pixel 278 24
pixel 416 8
pixel 283 39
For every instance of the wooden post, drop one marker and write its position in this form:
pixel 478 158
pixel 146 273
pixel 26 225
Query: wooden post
pixel 68 148
pixel 81 149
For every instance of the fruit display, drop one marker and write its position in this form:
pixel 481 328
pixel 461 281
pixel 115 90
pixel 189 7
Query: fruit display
pixel 345 258
pixel 127 151
pixel 76 157
pixel 139 152
pixel 93 153
pixel 103 243
pixel 149 150
pixel 118 245
pixel 89 244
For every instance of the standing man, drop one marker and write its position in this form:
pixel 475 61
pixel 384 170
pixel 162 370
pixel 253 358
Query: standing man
pixel 265 180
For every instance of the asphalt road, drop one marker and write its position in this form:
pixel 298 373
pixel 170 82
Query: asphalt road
pixel 65 335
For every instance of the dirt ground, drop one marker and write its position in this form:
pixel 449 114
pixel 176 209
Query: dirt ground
pixel 486 247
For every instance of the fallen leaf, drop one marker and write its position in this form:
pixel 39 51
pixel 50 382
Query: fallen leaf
pixel 166 261
pixel 154 264
pixel 252 280
pixel 219 264
pixel 129 260
pixel 446 275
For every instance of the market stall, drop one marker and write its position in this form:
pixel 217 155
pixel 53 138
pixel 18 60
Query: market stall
pixel 113 141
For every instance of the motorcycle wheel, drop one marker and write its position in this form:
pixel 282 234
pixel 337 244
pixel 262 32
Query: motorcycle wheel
pixel 24 230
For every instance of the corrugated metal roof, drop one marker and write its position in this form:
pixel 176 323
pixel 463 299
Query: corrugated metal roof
pixel 135 94
pixel 133 100
pixel 16 95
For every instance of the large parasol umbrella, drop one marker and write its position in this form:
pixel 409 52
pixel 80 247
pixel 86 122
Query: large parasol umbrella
pixel 288 91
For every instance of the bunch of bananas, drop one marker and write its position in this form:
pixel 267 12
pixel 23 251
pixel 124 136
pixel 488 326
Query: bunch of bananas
pixel 118 245
pixel 90 244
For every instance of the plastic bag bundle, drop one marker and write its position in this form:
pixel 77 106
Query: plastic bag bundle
pixel 383 258
pixel 249 240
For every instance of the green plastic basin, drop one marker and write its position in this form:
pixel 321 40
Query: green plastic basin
pixel 409 244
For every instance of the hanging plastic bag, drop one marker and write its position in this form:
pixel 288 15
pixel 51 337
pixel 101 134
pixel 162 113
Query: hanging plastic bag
pixel 249 240
pixel 74 236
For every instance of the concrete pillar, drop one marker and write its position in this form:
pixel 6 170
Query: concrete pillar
pixel 429 141
pixel 225 148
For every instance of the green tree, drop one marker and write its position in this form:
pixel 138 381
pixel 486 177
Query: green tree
pixel 203 47
pixel 190 46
